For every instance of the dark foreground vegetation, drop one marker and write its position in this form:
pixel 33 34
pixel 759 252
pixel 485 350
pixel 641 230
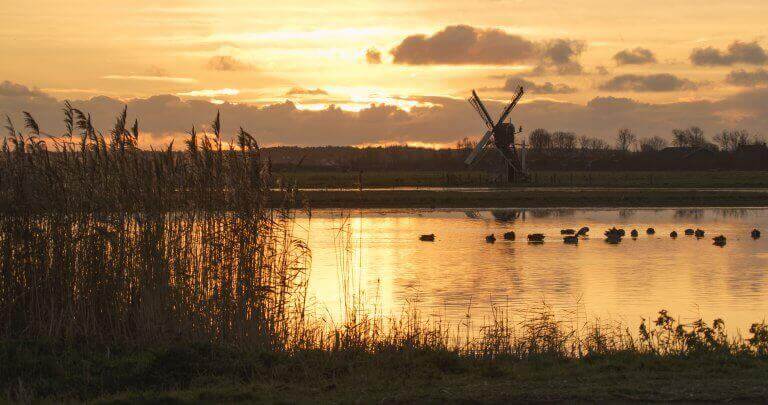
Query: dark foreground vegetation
pixel 132 276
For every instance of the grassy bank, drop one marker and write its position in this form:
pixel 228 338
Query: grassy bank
pixel 532 197
pixel 651 179
pixel 536 360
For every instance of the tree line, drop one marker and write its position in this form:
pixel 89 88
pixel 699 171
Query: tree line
pixel 542 140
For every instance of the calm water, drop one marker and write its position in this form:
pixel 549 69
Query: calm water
pixel 375 256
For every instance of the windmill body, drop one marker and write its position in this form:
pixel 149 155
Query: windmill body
pixel 500 136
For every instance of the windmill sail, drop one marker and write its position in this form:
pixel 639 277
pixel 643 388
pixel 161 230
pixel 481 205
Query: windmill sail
pixel 479 148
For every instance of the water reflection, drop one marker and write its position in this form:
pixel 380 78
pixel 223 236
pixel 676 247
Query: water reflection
pixel 383 261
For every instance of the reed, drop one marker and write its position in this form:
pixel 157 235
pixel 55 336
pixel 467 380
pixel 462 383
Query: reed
pixel 101 242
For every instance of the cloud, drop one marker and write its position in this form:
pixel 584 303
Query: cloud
pixel 602 70
pixel 302 91
pixel 437 120
pixel 373 56
pixel 210 93
pixel 466 45
pixel 648 83
pixel 637 56
pixel 562 55
pixel 462 44
pixel 749 53
pixel 224 63
pixel 744 78
pixel 150 78
pixel 513 82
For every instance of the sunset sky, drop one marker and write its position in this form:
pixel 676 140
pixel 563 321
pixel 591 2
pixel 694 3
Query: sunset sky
pixel 357 73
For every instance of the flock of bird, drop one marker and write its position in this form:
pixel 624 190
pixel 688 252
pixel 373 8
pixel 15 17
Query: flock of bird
pixel 613 235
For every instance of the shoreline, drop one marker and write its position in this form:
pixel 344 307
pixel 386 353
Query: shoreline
pixel 540 198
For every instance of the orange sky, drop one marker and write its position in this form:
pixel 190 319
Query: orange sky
pixel 314 53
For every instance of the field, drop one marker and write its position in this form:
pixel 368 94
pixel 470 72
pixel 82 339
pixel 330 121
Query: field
pixel 389 179
pixel 129 276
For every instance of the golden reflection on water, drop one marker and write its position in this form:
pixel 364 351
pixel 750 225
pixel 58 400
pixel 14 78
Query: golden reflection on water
pixel 375 257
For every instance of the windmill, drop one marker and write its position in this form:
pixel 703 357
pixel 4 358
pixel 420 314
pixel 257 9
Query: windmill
pixel 502 136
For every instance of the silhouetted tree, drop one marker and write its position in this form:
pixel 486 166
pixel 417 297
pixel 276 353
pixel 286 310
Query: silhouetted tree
pixel 625 139
pixel 652 144
pixel 540 139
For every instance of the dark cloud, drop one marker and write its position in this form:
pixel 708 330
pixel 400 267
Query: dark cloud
pixel 225 63
pixel 602 71
pixel 637 56
pixel 373 56
pixel 648 83
pixel 302 91
pixel 514 82
pixel 462 44
pixel 749 53
pixel 562 56
pixel 444 120
pixel 744 78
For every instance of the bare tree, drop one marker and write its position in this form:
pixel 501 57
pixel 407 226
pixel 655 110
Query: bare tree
pixel 625 139
pixel 652 144
pixel 564 140
pixel 731 141
pixel 466 144
pixel 540 139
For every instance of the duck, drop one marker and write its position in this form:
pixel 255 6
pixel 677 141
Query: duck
pixel 622 232
pixel 613 235
pixel 755 233
pixel 650 231
pixel 568 231
pixel 673 234
pixel 427 238
pixel 633 233
pixel 509 235
pixel 571 239
pixel 536 237
pixel 719 240
pixel 689 231
pixel 583 231
pixel 699 233
pixel 490 238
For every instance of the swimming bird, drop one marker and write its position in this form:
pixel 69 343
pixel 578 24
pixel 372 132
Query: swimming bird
pixel 583 231
pixel 650 231
pixel 571 239
pixel 699 233
pixel 568 231
pixel 673 234
pixel 613 235
pixel 689 231
pixel 633 233
pixel 509 235
pixel 427 238
pixel 755 233
pixel 719 240
pixel 490 238
pixel 536 237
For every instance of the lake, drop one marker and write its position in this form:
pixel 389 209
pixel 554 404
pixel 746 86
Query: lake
pixel 375 257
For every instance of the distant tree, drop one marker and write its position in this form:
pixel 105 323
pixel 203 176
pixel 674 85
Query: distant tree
pixel 466 144
pixel 731 141
pixel 652 144
pixel 564 140
pixel 692 137
pixel 593 144
pixel 540 139
pixel 625 139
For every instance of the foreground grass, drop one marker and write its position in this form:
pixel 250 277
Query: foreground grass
pixel 214 374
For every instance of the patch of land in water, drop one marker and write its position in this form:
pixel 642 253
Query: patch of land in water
pixel 534 197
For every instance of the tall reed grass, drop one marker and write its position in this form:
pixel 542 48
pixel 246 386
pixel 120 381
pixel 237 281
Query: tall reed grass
pixel 101 242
